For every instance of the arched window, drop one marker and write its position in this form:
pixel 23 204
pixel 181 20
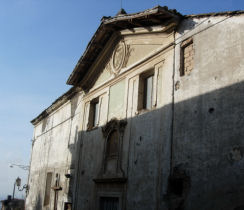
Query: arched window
pixel 112 145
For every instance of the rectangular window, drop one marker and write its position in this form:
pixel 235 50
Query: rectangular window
pixel 187 52
pixel 95 116
pixel 145 97
pixel 148 92
pixel 94 113
pixel 109 203
pixel 48 188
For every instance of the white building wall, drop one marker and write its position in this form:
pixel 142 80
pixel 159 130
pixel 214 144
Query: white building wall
pixel 53 151
pixel 192 135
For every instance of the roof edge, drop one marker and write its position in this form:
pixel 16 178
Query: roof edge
pixel 108 26
pixel 232 13
pixel 56 104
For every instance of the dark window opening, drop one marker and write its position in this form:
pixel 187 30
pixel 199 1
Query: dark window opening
pixel 67 206
pixel 109 203
pixel 145 97
pixel 148 92
pixel 94 113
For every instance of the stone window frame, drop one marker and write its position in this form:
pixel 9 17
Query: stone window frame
pixel 186 43
pixel 92 122
pixel 102 97
pixel 141 92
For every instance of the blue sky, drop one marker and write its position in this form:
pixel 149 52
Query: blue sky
pixel 40 43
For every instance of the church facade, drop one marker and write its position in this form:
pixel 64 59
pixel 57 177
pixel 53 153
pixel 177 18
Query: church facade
pixel 154 118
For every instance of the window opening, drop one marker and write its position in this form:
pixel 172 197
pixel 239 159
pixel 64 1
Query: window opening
pixel 148 92
pixel 48 188
pixel 146 88
pixel 67 206
pixel 109 203
pixel 94 113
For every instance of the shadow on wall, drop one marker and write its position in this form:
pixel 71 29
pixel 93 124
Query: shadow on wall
pixel 38 204
pixel 189 24
pixel 195 160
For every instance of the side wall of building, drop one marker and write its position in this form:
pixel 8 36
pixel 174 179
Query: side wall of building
pixel 53 152
pixel 208 116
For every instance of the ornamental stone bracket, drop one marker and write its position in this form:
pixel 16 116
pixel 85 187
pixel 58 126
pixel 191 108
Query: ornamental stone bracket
pixel 114 124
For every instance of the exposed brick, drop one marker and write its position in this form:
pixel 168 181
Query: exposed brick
pixel 187 53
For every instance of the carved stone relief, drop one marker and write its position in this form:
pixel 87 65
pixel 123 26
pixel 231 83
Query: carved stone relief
pixel 118 56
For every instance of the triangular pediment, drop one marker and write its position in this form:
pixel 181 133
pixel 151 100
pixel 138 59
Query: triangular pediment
pixel 111 26
pixel 121 54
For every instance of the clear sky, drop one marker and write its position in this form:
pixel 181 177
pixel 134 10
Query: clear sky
pixel 40 43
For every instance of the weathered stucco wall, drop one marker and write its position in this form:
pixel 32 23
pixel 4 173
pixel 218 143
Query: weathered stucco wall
pixel 52 151
pixel 184 153
pixel 208 116
pixel 146 139
pixel 207 133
